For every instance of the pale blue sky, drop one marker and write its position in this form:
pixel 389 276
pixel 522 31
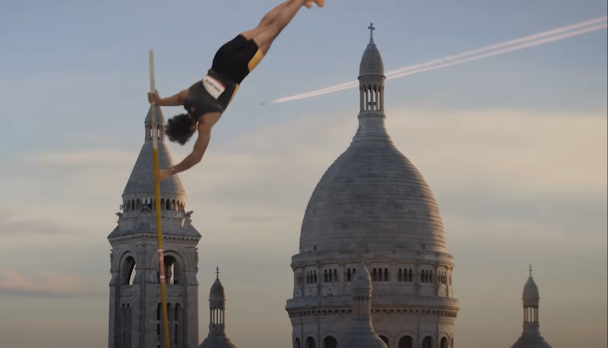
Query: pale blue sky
pixel 513 147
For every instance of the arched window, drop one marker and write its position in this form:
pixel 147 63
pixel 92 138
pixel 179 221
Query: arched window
pixel 411 276
pixel 384 339
pixel 400 275
pixel 315 279
pixel 325 277
pixel 348 275
pixel 296 343
pixel 336 275
pixel 444 343
pixel 128 271
pixel 374 275
pixel 406 342
pixel 427 342
pixel 171 270
pixel 330 342
pixel 386 279
pixel 311 343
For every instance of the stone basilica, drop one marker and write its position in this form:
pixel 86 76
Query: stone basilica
pixel 372 269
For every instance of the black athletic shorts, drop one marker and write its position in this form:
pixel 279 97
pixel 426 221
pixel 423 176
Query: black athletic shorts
pixel 231 64
pixel 237 58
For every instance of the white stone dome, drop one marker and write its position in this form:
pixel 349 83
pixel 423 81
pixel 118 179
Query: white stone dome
pixel 372 197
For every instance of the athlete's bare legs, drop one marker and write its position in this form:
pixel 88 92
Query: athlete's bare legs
pixel 274 22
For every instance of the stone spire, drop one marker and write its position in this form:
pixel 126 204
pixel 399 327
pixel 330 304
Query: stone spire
pixel 371 90
pixel 138 196
pixel 217 314
pixel 361 334
pixel 531 337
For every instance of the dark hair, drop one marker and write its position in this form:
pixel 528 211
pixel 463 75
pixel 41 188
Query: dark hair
pixel 179 128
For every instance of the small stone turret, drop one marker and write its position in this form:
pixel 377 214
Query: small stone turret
pixel 361 334
pixel 217 315
pixel 531 337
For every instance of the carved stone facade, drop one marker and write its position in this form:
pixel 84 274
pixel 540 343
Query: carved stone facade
pixel 135 303
pixel 373 206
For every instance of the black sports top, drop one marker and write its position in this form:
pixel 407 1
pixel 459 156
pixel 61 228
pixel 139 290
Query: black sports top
pixel 211 94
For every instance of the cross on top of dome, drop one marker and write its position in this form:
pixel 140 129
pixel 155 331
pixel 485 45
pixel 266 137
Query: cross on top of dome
pixel 371 31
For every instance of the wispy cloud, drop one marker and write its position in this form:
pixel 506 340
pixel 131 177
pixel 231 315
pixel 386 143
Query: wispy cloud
pixel 49 285
pixel 27 223
pixel 85 159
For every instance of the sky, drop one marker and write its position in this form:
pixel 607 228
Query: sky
pixel 513 147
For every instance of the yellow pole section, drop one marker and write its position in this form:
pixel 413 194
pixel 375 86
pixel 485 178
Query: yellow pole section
pixel 159 230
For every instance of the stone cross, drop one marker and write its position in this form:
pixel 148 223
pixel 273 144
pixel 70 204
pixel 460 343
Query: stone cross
pixel 217 272
pixel 530 270
pixel 371 30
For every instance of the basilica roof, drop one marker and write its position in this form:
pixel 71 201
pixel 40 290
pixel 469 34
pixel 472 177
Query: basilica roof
pixel 372 196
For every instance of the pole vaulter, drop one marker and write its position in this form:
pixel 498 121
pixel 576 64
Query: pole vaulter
pixel 207 99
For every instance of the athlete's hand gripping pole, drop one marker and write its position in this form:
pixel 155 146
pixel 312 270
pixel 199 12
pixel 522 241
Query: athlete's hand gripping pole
pixel 159 230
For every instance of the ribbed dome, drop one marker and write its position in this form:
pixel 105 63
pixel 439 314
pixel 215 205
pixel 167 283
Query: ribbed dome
pixel 531 341
pixel 372 197
pixel 531 294
pixel 371 63
pixel 217 341
pixel 217 292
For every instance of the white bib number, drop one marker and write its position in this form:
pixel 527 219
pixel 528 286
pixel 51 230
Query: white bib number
pixel 213 86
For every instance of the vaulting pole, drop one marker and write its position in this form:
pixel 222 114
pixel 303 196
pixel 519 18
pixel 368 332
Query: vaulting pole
pixel 159 230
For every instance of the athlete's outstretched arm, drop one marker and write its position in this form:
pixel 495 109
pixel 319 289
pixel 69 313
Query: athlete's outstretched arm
pixel 175 100
pixel 200 147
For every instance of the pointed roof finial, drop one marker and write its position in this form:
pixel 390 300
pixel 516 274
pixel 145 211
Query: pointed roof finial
pixel 371 32
pixel 217 272
pixel 530 270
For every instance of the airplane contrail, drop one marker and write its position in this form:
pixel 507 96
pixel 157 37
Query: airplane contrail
pixel 539 39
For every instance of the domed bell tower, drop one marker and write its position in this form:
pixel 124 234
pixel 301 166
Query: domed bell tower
pixel 135 305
